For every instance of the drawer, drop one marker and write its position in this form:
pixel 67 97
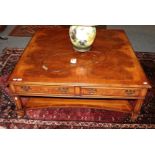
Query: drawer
pixel 116 92
pixel 48 90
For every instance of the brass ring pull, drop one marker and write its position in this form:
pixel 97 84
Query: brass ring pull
pixel 25 88
pixel 130 92
pixel 63 90
pixel 92 91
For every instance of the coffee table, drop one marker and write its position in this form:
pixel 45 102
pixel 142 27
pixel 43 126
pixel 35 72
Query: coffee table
pixel 51 74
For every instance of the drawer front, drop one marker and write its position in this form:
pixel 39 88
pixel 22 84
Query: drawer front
pixel 47 90
pixel 117 92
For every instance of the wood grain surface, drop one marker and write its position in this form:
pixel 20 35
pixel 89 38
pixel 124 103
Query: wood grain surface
pixel 108 72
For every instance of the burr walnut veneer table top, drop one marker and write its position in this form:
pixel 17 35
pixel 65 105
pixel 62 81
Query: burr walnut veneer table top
pixel 110 70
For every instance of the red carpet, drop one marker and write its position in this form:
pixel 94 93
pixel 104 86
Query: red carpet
pixel 29 30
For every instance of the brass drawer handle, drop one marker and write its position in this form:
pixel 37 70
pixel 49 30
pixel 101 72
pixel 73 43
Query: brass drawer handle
pixel 26 88
pixel 130 92
pixel 92 91
pixel 63 90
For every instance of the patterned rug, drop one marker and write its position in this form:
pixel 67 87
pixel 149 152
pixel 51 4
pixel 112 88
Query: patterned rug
pixel 29 30
pixel 72 117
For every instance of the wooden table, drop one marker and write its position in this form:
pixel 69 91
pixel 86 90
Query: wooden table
pixel 109 76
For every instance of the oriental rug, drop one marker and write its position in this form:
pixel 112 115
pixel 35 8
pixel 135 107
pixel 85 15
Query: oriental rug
pixel 72 117
pixel 29 30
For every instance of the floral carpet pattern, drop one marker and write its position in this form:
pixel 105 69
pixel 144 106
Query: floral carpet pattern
pixel 29 30
pixel 72 117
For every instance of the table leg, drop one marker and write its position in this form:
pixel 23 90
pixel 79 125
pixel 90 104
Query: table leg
pixel 136 109
pixel 19 109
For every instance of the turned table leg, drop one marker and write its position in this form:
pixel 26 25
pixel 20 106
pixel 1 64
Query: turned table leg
pixel 138 105
pixel 19 109
pixel 136 109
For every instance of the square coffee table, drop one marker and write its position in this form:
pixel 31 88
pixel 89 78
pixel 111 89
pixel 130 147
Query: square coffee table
pixel 109 76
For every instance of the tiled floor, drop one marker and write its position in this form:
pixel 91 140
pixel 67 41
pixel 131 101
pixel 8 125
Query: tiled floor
pixel 141 37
